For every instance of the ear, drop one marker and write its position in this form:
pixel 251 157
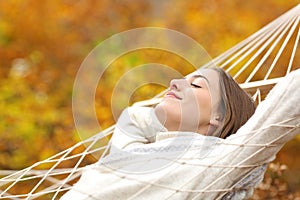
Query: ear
pixel 213 125
pixel 215 121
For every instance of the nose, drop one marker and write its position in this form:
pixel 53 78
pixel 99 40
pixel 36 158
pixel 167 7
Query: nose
pixel 178 84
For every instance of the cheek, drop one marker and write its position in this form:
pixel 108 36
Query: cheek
pixel 204 104
pixel 197 107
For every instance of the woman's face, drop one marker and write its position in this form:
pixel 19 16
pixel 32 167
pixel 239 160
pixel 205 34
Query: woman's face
pixel 191 103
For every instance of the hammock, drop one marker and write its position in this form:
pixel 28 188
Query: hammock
pixel 258 58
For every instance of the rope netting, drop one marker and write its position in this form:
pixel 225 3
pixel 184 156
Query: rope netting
pixel 257 63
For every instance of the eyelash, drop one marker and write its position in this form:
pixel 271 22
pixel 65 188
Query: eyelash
pixel 196 86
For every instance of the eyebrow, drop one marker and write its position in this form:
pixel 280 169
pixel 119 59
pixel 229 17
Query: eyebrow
pixel 200 76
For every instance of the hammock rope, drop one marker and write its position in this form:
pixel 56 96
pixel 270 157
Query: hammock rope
pixel 255 58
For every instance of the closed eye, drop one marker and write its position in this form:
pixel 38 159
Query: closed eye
pixel 196 86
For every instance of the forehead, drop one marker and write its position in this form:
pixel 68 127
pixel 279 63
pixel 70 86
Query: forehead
pixel 210 75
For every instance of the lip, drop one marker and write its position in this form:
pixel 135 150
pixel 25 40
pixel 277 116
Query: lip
pixel 172 95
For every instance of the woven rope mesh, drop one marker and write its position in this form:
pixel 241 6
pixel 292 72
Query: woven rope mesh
pixel 260 58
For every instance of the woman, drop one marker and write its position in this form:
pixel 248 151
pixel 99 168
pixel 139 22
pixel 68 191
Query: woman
pixel 208 102
pixel 177 150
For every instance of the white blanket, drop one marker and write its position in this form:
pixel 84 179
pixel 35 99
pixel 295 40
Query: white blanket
pixel 146 162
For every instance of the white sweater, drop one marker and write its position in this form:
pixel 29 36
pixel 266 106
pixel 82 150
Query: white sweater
pixel 147 162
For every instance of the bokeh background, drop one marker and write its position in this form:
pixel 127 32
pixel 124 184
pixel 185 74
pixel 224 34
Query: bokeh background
pixel 43 43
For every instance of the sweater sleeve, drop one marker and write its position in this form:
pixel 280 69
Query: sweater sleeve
pixel 275 122
pixel 135 126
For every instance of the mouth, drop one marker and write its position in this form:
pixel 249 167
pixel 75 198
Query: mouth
pixel 172 95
